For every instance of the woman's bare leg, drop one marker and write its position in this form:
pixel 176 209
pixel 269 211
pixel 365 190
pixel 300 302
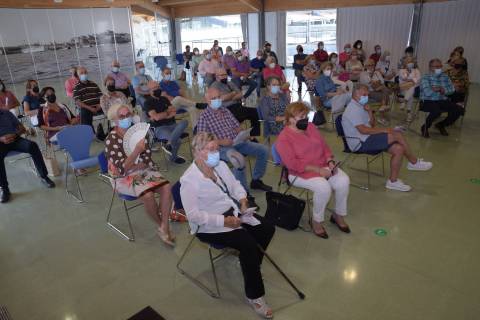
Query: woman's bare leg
pixel 148 199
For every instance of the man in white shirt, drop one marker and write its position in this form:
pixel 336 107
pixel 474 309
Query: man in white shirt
pixel 359 125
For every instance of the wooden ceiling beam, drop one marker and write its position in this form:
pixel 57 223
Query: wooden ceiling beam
pixel 211 9
pixel 172 3
pixel 255 5
pixel 285 5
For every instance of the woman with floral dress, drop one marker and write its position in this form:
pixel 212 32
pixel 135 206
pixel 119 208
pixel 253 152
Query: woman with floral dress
pixel 135 174
pixel 272 107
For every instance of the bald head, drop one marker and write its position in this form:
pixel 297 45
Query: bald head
pixel 115 63
pixel 221 74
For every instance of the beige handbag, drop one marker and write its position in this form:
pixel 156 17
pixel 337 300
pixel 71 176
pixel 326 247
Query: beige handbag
pixel 51 162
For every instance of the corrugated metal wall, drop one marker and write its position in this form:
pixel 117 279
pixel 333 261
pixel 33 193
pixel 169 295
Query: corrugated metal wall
pixel 385 25
pixel 446 25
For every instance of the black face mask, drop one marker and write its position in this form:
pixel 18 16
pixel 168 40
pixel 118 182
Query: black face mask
pixel 157 93
pixel 51 98
pixel 224 81
pixel 302 124
pixel 111 87
pixel 36 89
pixel 267 49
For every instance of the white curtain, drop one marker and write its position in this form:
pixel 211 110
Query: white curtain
pixel 275 33
pixel 446 25
pixel 387 25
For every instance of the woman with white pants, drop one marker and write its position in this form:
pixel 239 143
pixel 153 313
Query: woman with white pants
pixel 311 166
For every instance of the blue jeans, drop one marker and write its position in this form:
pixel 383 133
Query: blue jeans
pixel 258 79
pixel 259 151
pixel 172 133
pixel 252 84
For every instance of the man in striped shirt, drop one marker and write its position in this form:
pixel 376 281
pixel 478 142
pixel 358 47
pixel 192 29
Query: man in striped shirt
pixel 435 87
pixel 87 95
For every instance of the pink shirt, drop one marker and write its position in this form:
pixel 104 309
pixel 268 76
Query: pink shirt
pixel 298 150
pixel 277 71
pixel 208 67
pixel 69 85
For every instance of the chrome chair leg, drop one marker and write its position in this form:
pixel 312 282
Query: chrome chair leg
pixel 115 228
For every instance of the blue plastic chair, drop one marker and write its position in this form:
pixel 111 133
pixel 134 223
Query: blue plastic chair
pixel 161 62
pixel 103 163
pixel 179 58
pixel 370 157
pixel 76 142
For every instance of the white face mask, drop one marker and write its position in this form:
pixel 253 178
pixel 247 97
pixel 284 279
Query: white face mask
pixel 410 65
pixel 229 53
pixel 240 59
pixel 327 72
pixel 438 71
pixel 320 47
pixel 272 65
pixel 208 56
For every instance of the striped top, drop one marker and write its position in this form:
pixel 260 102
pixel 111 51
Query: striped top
pixel 87 92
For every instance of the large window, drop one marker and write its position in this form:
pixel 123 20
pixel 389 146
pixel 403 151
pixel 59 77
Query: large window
pixel 309 27
pixel 200 32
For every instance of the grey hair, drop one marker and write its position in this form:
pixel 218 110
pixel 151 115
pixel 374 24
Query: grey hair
pixel 433 61
pixel 359 86
pixel 200 140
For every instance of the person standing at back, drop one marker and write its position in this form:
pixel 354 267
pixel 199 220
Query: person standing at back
pixel 320 54
pixel 87 96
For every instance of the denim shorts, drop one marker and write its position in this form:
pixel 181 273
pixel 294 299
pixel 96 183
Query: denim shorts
pixel 375 143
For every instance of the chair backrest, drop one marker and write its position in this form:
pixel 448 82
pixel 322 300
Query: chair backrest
pixel 160 61
pixel 276 156
pixel 341 133
pixel 103 163
pixel 76 140
pixel 179 58
pixel 177 199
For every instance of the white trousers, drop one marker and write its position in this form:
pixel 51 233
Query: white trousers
pixel 189 105
pixel 322 190
pixel 408 96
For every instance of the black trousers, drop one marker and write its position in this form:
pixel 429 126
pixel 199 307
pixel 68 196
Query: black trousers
pixel 24 146
pixel 436 108
pixel 245 240
pixel 86 117
pixel 242 113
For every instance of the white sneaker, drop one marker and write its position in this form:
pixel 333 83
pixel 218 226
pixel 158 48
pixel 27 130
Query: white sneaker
pixel 398 186
pixel 420 165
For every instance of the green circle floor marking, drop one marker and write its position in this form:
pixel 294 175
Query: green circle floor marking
pixel 475 181
pixel 380 232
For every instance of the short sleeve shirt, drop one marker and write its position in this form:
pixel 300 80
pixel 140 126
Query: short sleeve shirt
pixel 87 92
pixel 243 67
pixel 354 116
pixel 159 105
pixel 257 64
pixel 170 87
pixel 33 101
pixel 141 80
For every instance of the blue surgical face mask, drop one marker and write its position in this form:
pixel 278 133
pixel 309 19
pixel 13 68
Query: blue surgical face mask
pixel 438 71
pixel 275 89
pixel 125 123
pixel 213 159
pixel 141 71
pixel 216 103
pixel 83 77
pixel 363 100
pixel 167 77
pixel 115 69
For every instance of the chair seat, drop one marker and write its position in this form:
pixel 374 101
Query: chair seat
pixel 126 197
pixel 85 163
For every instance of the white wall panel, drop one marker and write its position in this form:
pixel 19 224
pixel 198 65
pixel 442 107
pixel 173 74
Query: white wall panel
pixel 385 25
pixel 253 34
pixel 446 25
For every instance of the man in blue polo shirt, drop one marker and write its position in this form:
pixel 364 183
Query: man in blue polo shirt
pixel 257 64
pixel 10 140
pixel 172 91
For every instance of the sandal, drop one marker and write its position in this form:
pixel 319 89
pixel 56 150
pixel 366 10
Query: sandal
pixel 261 308
pixel 166 238
pixel 319 230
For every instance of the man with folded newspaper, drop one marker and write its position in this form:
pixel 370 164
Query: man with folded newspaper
pixel 233 142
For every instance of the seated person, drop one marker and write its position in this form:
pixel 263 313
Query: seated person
pixel 299 61
pixel 339 76
pixel 408 79
pixel 377 54
pixel 138 178
pixel 383 66
pixel 54 116
pixel 216 51
pixel 257 64
pixel 363 136
pixel 354 66
pixel 231 97
pixel 272 107
pixel 120 79
pixel 8 101
pixel 71 82
pixel 10 140
pixel 459 77
pixel 311 166
pixel 268 52
pixel 196 59
pixel 187 57
pixel 162 118
pixel 218 120
pixel 457 53
pixel 320 54
pixel 229 60
pixel 140 83
pixel 208 67
pixel 32 100
pixel 358 47
pixel 244 50
pixel 435 87
pixel 241 74
pixel 213 215
pixel 311 72
pixel 273 69
pixel 377 90
pixel 409 52
pixel 332 97
pixel 112 96
pixel 87 96
pixel 172 91
pixel 345 55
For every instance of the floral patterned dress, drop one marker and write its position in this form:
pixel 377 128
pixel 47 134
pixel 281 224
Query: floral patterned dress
pixel 132 183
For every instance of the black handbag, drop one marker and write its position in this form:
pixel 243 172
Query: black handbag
pixel 284 210
pixel 319 118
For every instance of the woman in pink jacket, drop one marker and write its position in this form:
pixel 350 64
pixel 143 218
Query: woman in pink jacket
pixel 311 165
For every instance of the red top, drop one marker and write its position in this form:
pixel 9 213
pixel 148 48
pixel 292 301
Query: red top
pixel 298 150
pixel 375 57
pixel 321 55
pixel 69 85
pixel 343 58
pixel 277 71
pixel 12 100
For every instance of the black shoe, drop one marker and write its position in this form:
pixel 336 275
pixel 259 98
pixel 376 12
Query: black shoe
pixel 252 203
pixel 179 160
pixel 47 182
pixel 343 229
pixel 4 195
pixel 442 130
pixel 425 133
pixel 201 106
pixel 259 185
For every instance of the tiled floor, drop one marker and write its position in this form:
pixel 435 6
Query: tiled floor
pixel 58 260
